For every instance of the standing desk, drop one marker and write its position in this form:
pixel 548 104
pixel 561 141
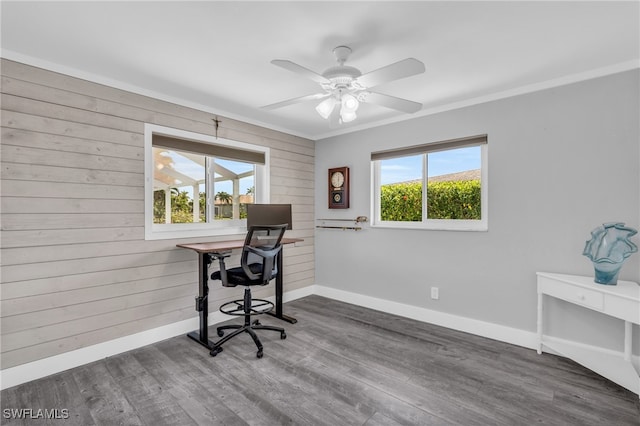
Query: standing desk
pixel 205 256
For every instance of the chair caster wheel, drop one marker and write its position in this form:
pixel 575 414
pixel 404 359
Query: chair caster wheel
pixel 256 322
pixel 259 354
pixel 283 335
pixel 220 333
pixel 215 351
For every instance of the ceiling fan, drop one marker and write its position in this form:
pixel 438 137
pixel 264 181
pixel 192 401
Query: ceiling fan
pixel 344 87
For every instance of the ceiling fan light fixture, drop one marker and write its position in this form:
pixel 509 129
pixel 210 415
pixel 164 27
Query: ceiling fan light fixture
pixel 349 103
pixel 347 116
pixel 325 108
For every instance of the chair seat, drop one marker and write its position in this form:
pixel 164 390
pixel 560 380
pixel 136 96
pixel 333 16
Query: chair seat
pixel 236 276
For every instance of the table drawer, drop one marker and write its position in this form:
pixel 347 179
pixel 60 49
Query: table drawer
pixel 574 294
pixel 625 309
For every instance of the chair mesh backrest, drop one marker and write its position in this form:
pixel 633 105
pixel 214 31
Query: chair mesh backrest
pixel 262 246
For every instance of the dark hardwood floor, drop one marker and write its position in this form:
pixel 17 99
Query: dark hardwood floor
pixel 340 365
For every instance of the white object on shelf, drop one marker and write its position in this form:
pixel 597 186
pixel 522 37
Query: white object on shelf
pixel 620 301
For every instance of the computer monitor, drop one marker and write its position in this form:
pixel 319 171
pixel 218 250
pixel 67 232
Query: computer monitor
pixel 268 214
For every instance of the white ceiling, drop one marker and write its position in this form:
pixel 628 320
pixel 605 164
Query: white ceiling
pixel 216 55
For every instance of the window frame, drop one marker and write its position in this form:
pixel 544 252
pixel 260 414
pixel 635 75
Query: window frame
pixel 155 231
pixel 432 224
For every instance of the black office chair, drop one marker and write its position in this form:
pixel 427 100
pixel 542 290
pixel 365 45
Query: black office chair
pixel 258 267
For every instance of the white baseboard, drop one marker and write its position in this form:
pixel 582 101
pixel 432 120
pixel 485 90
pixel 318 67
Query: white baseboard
pixel 44 367
pixel 502 333
pixel 23 373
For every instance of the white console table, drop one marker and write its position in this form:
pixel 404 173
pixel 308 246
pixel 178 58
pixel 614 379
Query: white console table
pixel 620 301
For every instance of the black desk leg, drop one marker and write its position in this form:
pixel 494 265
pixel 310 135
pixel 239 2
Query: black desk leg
pixel 279 290
pixel 202 302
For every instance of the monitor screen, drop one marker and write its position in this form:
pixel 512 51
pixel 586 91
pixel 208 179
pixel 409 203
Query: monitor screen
pixel 268 214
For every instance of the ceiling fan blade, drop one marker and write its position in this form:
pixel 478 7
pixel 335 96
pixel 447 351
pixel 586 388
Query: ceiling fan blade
pixel 296 100
pixel 392 102
pixel 395 71
pixel 299 69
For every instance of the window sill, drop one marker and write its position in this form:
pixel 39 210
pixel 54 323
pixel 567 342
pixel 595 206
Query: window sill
pixel 180 231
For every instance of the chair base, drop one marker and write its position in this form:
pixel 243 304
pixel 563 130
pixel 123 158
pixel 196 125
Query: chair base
pixel 244 328
pixel 246 307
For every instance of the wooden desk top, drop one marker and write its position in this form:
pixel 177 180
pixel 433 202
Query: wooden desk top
pixel 220 246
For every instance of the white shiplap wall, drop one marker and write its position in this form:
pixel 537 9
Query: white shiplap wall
pixel 76 270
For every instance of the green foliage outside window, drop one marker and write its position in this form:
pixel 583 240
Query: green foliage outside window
pixel 445 200
pixel 182 206
pixel 401 202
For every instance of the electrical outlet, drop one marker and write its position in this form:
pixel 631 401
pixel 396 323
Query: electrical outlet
pixel 435 293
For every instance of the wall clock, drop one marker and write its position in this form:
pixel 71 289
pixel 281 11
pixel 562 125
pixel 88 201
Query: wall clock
pixel 339 188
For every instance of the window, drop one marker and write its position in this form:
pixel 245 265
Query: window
pixel 199 185
pixel 440 185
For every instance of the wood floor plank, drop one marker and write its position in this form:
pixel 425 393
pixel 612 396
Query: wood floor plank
pixel 381 420
pixel 60 395
pixel 217 376
pixel 203 406
pixel 102 396
pixel 152 403
pixel 339 365
pixel 360 394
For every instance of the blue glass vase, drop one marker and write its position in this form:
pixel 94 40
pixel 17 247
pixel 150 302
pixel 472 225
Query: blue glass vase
pixel 608 248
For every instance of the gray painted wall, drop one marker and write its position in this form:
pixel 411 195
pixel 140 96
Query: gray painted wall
pixel 561 162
